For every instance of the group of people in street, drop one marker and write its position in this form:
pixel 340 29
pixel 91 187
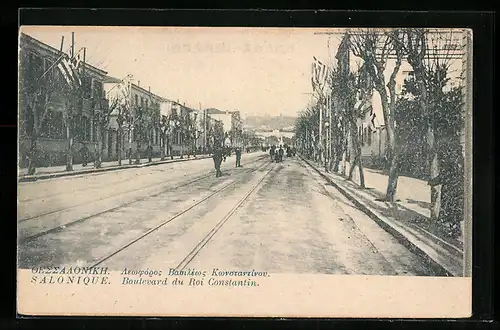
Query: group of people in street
pixel 220 155
pixel 277 153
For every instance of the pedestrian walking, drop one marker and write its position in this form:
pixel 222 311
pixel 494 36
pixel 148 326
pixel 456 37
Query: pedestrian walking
pixel 217 157
pixel 271 152
pixel 84 151
pixel 280 153
pixel 238 157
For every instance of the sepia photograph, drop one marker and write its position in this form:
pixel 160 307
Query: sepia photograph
pixel 210 171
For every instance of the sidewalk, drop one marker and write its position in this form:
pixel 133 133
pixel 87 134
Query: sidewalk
pixel 407 219
pixel 60 171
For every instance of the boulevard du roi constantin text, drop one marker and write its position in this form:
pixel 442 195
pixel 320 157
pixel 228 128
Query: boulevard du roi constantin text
pixel 191 277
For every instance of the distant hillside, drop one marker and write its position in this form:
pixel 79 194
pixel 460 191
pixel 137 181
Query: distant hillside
pixel 269 122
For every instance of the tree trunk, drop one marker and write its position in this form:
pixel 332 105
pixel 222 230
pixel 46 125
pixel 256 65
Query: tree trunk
pixel 32 153
pixel 431 147
pixel 393 159
pixel 98 154
pixel 338 158
pixel 361 173
pixel 357 155
pixel 162 149
pixel 434 172
pixel 130 144
pixel 344 157
pixel 138 151
pixel 170 147
pixel 119 145
pixel 150 147
pixel 69 149
pixel 393 176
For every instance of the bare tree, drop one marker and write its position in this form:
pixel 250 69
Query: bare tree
pixel 357 87
pixel 36 93
pixel 121 119
pixel 73 105
pixel 430 65
pixel 163 125
pixel 102 116
pixel 374 48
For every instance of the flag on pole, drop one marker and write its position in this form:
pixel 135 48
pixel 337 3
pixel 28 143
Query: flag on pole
pixel 319 73
pixel 69 70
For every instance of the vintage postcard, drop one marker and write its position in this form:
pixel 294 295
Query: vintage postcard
pixel 255 172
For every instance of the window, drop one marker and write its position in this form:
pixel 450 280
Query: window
pixel 46 128
pixel 98 89
pixel 58 125
pixel 35 65
pixel 85 129
pixel 369 136
pixel 136 99
pixel 86 86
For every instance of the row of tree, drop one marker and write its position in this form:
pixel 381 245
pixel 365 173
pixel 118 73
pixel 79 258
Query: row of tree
pixel 42 86
pixel 426 111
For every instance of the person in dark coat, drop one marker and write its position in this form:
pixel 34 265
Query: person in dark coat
pixel 280 153
pixel 451 178
pixel 217 157
pixel 238 157
pixel 272 150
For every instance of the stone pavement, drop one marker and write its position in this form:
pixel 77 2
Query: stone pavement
pixel 407 219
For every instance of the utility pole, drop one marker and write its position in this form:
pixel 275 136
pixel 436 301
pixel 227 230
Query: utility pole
pixel 320 131
pixel 72 45
pixel 131 122
pixel 73 103
pixel 150 126
pixel 204 129
pixel 330 143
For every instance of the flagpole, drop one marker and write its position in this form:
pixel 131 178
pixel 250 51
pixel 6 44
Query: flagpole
pixel 57 60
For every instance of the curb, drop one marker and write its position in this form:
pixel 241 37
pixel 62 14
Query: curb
pixel 406 238
pixel 32 178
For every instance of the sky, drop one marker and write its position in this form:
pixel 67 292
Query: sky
pixel 258 71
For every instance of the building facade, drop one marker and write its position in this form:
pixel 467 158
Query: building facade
pixel 138 110
pixel 232 125
pixel 48 112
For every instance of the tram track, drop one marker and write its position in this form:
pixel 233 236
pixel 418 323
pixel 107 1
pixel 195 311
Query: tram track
pixel 114 195
pixel 94 185
pixel 89 187
pixel 190 256
pixel 63 226
pixel 198 247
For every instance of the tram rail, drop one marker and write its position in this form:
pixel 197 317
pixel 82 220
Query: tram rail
pixel 207 237
pixel 63 226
